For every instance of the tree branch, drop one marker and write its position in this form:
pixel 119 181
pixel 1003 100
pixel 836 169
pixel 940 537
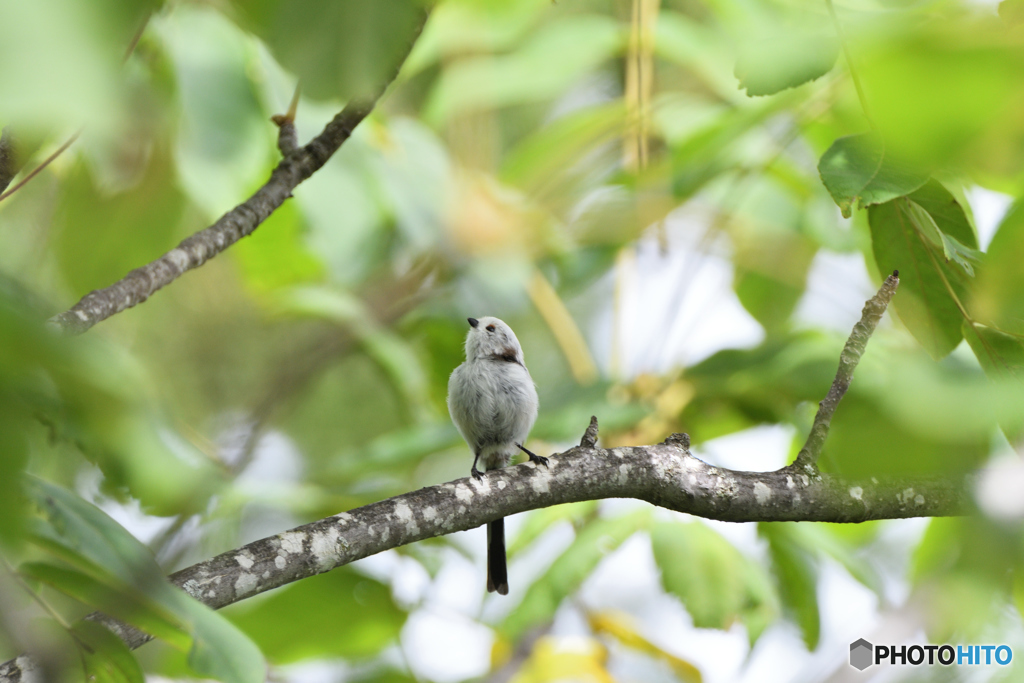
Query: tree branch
pixel 237 223
pixel 848 360
pixel 39 169
pixel 664 474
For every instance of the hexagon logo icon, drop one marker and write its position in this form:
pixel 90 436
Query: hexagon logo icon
pixel 860 654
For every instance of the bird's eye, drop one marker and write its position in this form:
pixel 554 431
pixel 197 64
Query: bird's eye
pixel 490 328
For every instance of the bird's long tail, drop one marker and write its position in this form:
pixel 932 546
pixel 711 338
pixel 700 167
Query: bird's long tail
pixel 497 572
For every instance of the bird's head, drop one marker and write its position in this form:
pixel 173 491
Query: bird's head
pixel 492 337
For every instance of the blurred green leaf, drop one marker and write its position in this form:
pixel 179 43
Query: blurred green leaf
pixel 354 387
pixel 712 579
pixel 735 389
pixel 94 587
pixel 395 357
pixel 996 299
pixel 105 657
pixel 797 575
pixel 339 49
pixel 947 92
pixel 537 161
pixel 217 650
pixel 1012 11
pixel 101 237
pixel 14 421
pixel 338 614
pixel 593 542
pixel 868 440
pixel 859 171
pixel 931 291
pixel 275 256
pixel 1001 355
pixel 785 60
pixel 712 149
pixel 772 255
pixel 963 570
pixel 225 144
pixel 39 37
pixel 701 49
pixel 459 27
pixel 556 55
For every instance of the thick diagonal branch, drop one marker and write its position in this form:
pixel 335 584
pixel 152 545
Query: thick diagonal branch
pixel 237 223
pixel 848 360
pixel 664 474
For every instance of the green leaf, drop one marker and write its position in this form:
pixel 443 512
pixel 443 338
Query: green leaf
pixel 276 256
pixel 218 649
pixel 797 575
pixel 772 255
pixel 930 289
pixel 713 148
pixel 13 456
pixel 858 172
pixel 736 389
pixel 1001 354
pixel 960 254
pixel 899 429
pixel 541 158
pixel 338 614
pixel 224 146
pixel 95 588
pixel 550 61
pixel 339 49
pixel 595 541
pixel 713 580
pixel 395 357
pixel 772 64
pixel 41 33
pixel 87 531
pixel 105 657
pixel 1012 11
pixel 99 237
pixel 997 300
pixel 944 93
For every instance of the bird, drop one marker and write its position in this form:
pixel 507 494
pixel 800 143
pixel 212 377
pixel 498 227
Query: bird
pixel 493 402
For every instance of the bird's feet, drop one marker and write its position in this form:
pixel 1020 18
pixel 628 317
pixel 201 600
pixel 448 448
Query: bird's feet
pixel 477 474
pixel 540 460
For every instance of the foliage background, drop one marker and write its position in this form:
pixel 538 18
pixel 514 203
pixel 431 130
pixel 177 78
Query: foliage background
pixel 634 187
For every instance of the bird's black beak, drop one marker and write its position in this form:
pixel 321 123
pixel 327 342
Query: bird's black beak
pixel 473 322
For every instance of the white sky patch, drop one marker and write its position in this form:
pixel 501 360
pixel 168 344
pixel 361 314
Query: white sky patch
pixel 677 308
pixel 998 492
pixel 758 449
pixel 446 647
pixel 837 287
pixel 989 208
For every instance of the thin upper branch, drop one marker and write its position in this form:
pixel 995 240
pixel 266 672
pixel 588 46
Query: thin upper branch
pixel 194 251
pixel 46 162
pixel 848 360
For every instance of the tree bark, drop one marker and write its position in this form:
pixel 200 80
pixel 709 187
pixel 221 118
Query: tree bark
pixel 664 474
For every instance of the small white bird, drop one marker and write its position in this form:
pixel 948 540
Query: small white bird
pixel 493 403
